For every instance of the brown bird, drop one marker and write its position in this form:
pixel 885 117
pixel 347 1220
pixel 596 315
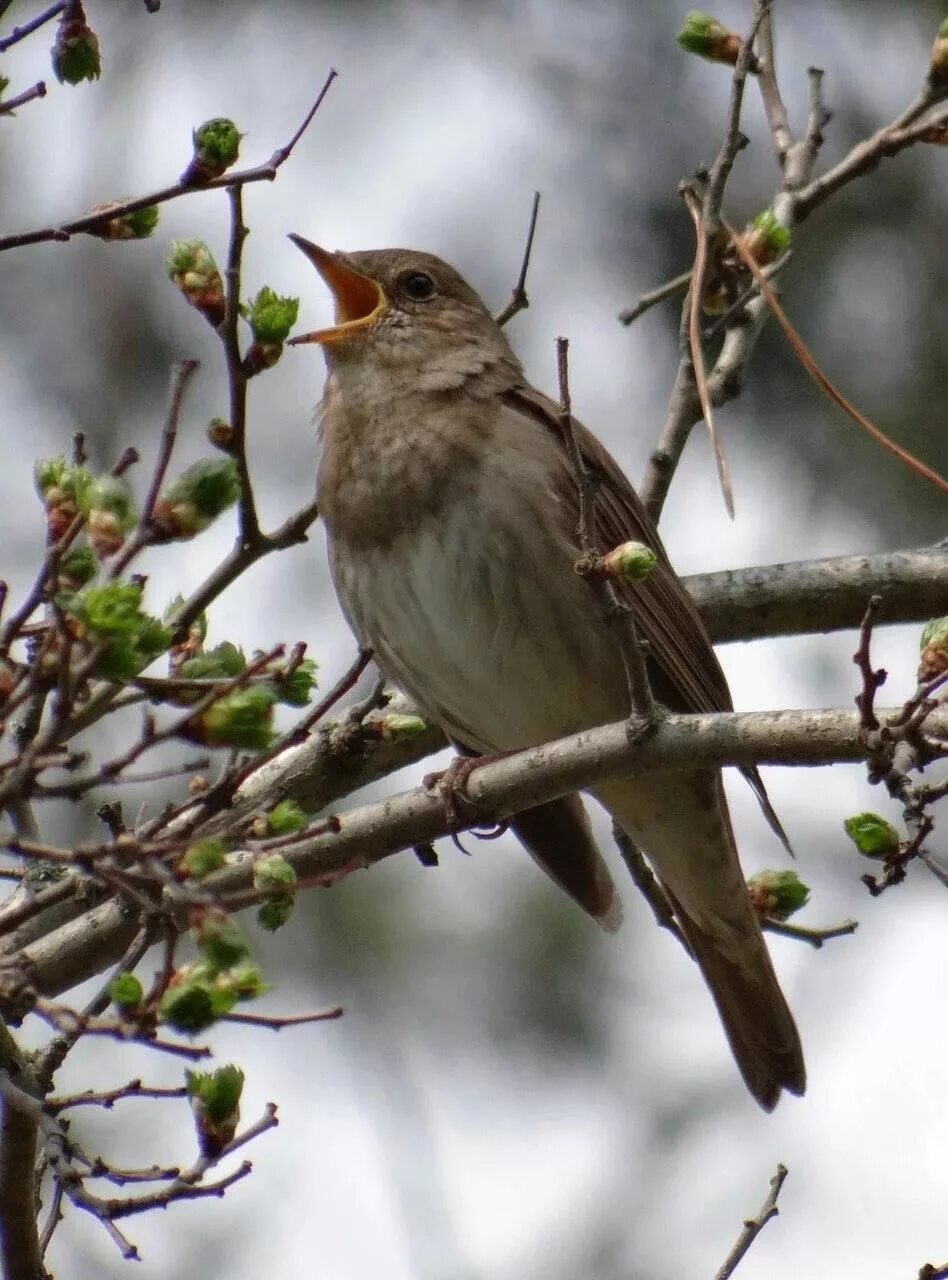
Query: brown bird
pixel 452 509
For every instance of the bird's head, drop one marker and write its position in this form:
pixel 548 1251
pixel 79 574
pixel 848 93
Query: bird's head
pixel 408 313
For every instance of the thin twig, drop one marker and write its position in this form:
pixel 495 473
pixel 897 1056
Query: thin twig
pixel 815 937
pixel 648 300
pixel 182 373
pixel 518 299
pixel 753 1226
pixel 648 886
pixel 265 172
pixel 9 105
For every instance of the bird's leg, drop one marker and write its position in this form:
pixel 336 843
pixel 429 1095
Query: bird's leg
pixel 452 783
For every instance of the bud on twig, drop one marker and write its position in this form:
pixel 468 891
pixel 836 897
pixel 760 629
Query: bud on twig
pixel 223 662
pixel 766 239
pixel 75 51
pixel 126 991
pixel 203 857
pixel 216 147
pixel 221 434
pixel 221 943
pixel 296 689
pixel 777 895
pixel 705 36
pixel 192 1002
pixel 198 496
pixel 271 317
pixel 110 616
pixel 77 567
pixel 137 225
pixel 192 268
pixel 107 506
pixel 393 727
pixel 215 1103
pixel 283 820
pixel 242 719
pixel 872 835
pixel 62 487
pixel 631 561
pixel 934 649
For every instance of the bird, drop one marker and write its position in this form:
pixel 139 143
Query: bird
pixel 451 507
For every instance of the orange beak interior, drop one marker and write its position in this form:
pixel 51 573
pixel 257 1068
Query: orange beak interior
pixel 359 300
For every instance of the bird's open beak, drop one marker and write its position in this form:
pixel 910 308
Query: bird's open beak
pixel 359 300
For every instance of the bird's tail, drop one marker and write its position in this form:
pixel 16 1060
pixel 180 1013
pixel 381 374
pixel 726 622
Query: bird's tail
pixel 681 822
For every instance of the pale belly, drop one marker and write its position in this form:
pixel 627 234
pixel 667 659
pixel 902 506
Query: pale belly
pixel 489 630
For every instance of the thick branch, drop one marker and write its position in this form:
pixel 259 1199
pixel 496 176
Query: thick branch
pixel 494 792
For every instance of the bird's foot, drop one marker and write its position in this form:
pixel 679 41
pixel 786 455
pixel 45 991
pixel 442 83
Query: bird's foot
pixel 451 783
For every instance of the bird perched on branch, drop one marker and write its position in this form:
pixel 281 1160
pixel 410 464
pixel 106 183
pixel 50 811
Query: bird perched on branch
pixel 452 512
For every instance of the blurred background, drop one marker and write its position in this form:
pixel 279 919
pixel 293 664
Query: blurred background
pixel 509 1092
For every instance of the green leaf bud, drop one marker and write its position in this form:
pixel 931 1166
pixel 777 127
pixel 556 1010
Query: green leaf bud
pixel 223 662
pixel 872 835
pixel 192 268
pixel 242 719
pixel 197 497
pixel 777 895
pixel 215 1103
pixel 126 991
pixel 203 857
pixel 296 689
pixel 283 819
pixel 393 727
pixel 630 560
pixel 274 913
pixel 220 941
pixel 75 52
pixel 273 872
pixel 216 147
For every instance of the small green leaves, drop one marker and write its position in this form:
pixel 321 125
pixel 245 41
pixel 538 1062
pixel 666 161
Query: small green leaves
pixel 137 225
pixel 223 662
pixel 296 689
pixel 631 560
pixel 242 719
pixel 933 647
pixel 283 820
pixel 777 895
pixel 274 873
pixel 192 268
pixel 110 513
pixel 705 36
pixel 872 835
pixel 221 943
pixel 62 486
pixel 77 567
pixel 271 316
pixel 766 239
pixel 274 913
pixel 111 615
pixel 216 147
pixel 126 991
pixel 393 727
pixel 196 498
pixel 75 51
pixel 203 857
pixel 215 1104
pixel 194 1004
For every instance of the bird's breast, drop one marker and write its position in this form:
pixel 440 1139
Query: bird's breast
pixel 474 610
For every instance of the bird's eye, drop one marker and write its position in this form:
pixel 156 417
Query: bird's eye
pixel 417 285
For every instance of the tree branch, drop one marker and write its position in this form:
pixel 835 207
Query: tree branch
pixel 85 946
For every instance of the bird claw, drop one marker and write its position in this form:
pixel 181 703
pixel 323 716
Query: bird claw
pixel 451 784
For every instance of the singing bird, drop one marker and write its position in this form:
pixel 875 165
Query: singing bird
pixel 451 510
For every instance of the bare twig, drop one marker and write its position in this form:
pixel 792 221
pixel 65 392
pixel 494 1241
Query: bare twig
pixel 753 1226
pixel 814 936
pixel 518 298
pixel 279 1023
pixel 648 300
pixel 9 105
pixel 647 885
pixel 34 24
pixel 181 375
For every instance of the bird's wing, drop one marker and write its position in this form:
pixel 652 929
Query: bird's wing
pixel 685 672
